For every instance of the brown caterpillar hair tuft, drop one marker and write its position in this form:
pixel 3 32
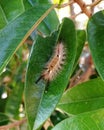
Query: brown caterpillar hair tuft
pixel 55 63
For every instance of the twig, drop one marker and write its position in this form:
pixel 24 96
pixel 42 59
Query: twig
pixel 74 16
pixel 74 79
pixel 82 77
pixel 12 125
pixel 83 7
pixel 64 5
pixel 94 3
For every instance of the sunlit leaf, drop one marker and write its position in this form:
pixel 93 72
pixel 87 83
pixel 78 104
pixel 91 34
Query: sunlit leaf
pixel 88 121
pixel 84 97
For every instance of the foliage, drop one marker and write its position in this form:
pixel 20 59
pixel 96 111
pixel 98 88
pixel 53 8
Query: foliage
pixel 29 33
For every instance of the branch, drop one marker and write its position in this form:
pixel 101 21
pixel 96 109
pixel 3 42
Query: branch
pixel 80 77
pixel 94 3
pixel 83 7
pixel 12 125
pixel 74 16
pixel 64 5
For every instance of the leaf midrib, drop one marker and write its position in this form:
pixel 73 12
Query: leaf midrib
pixel 87 100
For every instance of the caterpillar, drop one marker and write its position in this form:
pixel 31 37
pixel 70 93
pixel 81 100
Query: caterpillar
pixel 55 63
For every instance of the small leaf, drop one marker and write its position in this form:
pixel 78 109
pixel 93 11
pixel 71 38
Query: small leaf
pixel 88 121
pixel 34 93
pixel 96 40
pixel 37 101
pixel 15 33
pixel 81 38
pixel 84 97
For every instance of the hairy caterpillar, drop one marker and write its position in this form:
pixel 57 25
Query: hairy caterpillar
pixel 55 63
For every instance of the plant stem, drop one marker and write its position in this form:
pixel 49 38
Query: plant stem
pixel 64 5
pixel 83 7
pixel 94 3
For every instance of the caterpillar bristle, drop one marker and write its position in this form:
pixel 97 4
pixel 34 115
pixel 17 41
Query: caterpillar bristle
pixel 55 63
pixel 38 79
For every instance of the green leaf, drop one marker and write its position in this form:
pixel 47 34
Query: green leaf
pixel 10 10
pixel 3 21
pixel 38 101
pixel 15 33
pixel 81 38
pixel 50 23
pixel 27 4
pixel 88 121
pixel 33 92
pixel 96 40
pixel 4 119
pixel 84 97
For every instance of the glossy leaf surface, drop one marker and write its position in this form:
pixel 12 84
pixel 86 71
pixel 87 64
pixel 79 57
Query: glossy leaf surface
pixel 38 101
pixel 10 10
pixel 84 97
pixel 88 121
pixel 50 23
pixel 15 33
pixel 96 40
pixel 81 38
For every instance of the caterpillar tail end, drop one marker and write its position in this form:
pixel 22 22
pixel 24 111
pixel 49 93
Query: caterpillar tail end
pixel 38 79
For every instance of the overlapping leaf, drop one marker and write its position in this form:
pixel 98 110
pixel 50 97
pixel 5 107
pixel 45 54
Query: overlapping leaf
pixel 9 11
pixel 96 40
pixel 88 121
pixel 40 105
pixel 14 101
pixel 81 38
pixel 50 23
pixel 84 97
pixel 15 33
